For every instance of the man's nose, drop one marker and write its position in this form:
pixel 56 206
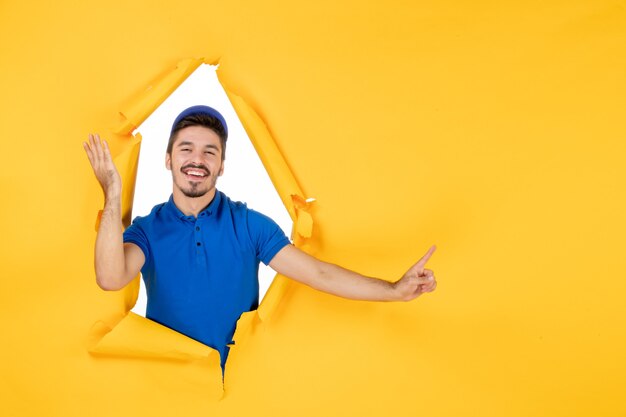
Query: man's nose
pixel 197 157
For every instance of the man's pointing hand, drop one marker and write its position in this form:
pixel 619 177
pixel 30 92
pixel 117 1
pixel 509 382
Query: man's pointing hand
pixel 417 280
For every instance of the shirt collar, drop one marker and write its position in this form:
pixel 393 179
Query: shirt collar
pixel 207 211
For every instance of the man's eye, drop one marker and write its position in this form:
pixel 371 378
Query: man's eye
pixel 210 152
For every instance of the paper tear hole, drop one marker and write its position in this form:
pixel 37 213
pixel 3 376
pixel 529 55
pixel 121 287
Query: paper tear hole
pixel 244 178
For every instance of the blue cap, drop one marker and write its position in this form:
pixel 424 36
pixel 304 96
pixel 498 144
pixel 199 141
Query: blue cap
pixel 200 110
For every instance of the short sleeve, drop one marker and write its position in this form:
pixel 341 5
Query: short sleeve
pixel 135 234
pixel 267 237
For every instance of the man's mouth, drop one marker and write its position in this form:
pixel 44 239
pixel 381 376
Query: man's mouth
pixel 195 173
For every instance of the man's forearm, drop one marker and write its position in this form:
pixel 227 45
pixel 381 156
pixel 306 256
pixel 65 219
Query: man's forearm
pixel 331 278
pixel 109 249
pixel 342 282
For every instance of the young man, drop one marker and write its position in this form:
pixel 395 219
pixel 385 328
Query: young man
pixel 199 252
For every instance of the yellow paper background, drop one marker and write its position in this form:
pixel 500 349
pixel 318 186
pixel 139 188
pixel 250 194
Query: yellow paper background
pixel 494 130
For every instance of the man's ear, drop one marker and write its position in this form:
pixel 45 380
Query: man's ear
pixel 168 161
pixel 221 170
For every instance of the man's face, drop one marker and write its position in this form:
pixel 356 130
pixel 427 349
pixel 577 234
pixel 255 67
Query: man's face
pixel 196 161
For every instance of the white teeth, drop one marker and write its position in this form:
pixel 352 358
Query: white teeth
pixel 196 173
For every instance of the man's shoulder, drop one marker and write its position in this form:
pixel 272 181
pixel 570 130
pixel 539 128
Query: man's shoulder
pixel 240 211
pixel 150 217
pixel 233 205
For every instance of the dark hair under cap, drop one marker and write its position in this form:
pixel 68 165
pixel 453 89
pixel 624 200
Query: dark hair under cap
pixel 200 109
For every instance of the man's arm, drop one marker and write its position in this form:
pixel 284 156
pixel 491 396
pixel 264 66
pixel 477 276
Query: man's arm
pixel 116 262
pixel 296 264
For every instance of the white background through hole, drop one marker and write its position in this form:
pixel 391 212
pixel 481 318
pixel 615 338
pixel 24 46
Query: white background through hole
pixel 244 178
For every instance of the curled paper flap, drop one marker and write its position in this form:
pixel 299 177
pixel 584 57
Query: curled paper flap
pixel 265 146
pixel 245 326
pixel 138 337
pixel 303 226
pixel 127 162
pixel 139 109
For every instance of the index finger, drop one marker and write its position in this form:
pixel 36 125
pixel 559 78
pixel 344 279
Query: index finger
pixel 422 262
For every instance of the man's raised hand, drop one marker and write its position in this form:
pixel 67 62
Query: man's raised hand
pixel 417 280
pixel 100 159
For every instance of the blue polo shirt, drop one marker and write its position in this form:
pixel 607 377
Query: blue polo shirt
pixel 201 273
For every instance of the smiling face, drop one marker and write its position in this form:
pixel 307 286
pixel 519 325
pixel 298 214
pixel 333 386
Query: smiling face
pixel 195 161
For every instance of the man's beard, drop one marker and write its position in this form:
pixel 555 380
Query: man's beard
pixel 194 192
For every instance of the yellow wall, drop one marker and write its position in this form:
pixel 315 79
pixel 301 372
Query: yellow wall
pixel 492 129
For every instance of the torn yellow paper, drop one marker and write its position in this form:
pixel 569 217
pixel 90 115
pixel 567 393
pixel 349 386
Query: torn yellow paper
pixel 135 112
pixel 138 337
pixel 270 155
pixel 492 129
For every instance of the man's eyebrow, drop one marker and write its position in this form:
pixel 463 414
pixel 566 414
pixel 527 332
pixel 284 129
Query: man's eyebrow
pixel 186 143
